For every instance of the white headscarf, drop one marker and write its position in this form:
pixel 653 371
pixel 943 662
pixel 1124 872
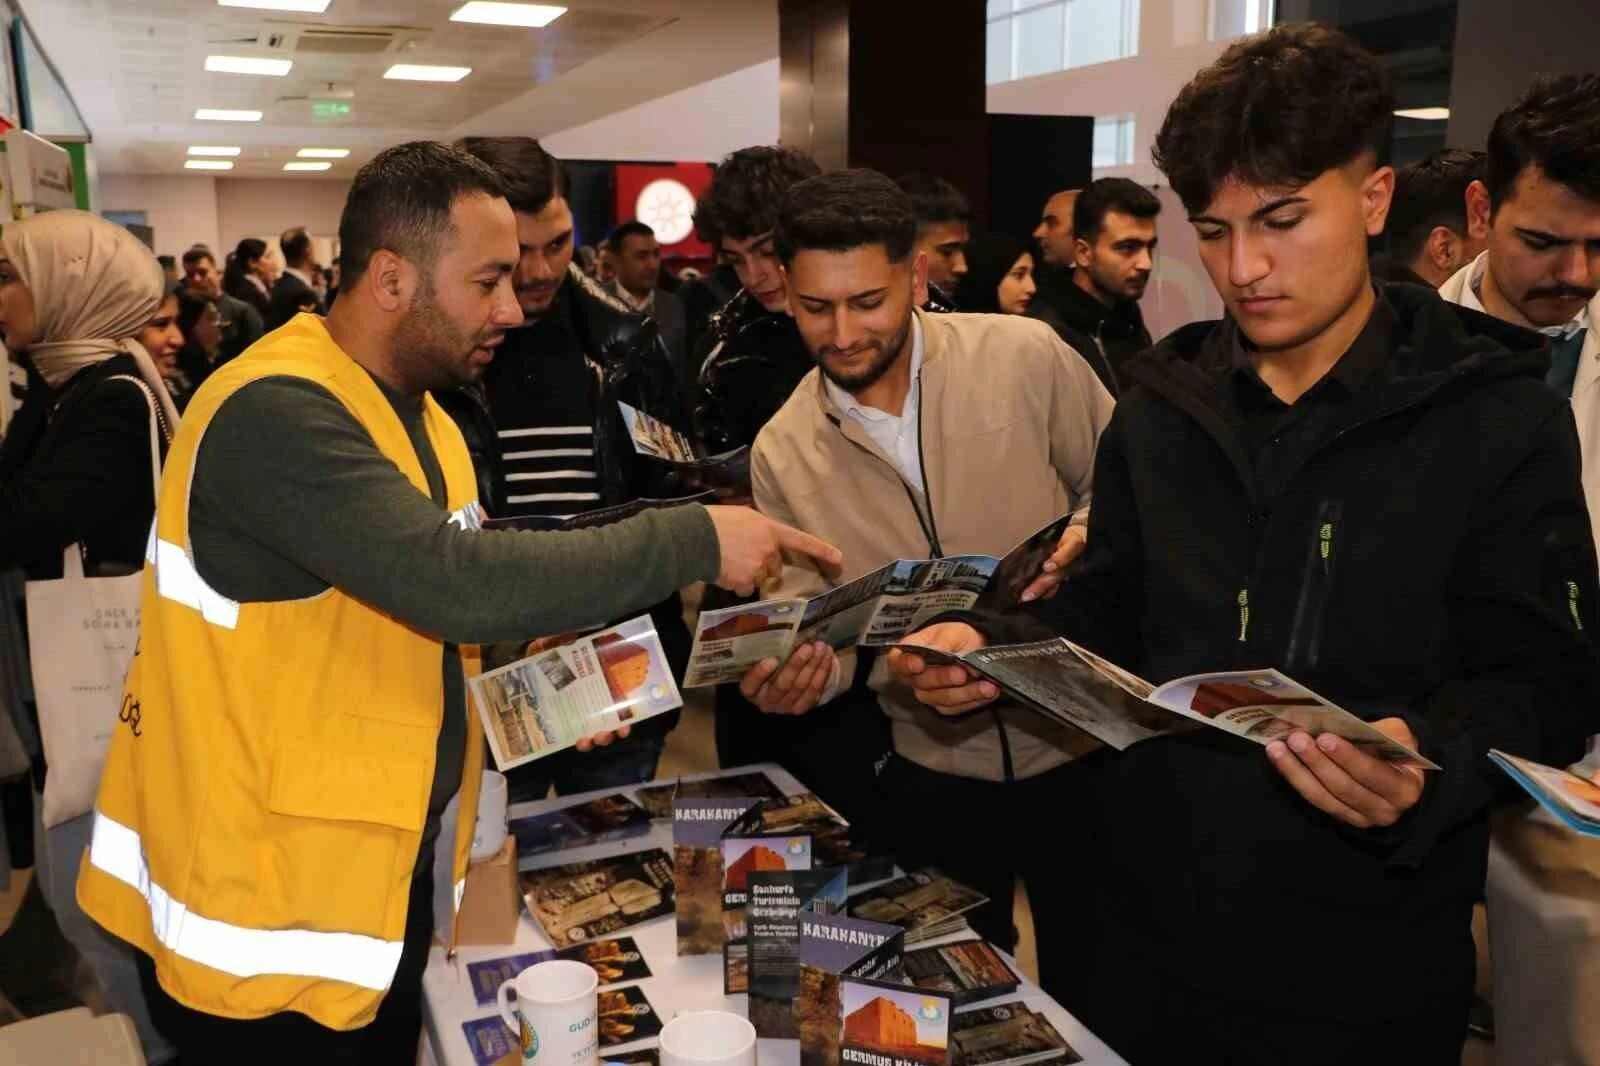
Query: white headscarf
pixel 94 286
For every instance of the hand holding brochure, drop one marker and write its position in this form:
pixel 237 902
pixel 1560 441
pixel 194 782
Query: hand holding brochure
pixel 728 472
pixel 1076 687
pixel 1574 800
pixel 877 609
pixel 551 700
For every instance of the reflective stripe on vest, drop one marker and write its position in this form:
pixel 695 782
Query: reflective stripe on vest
pixel 352 958
pixel 178 580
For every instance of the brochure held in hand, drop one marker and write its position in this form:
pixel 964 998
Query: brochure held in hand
pixel 1574 800
pixel 727 473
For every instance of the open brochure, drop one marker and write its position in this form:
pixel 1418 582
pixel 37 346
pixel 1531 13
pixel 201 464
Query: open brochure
pixel 1574 800
pixel 603 516
pixel 880 608
pixel 728 471
pixel 833 947
pixel 549 701
pixel 1076 687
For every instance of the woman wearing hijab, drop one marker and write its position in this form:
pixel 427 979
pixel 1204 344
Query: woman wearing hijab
pixel 75 293
pixel 999 277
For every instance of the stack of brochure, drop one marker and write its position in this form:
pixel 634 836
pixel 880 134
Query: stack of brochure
pixel 925 903
pixel 1007 1034
pixel 597 821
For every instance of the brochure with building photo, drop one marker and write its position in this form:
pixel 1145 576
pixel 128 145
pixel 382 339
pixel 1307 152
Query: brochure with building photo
pixel 657 799
pixel 772 928
pixel 725 472
pixel 925 903
pixel 596 821
pixel 1574 800
pixel 597 683
pixel 874 610
pixel 697 828
pixel 1076 687
pixel 831 947
pixel 603 516
pixel 968 970
pixel 745 853
pixel 585 901
pixel 1006 1034
pixel 884 1024
pixel 614 962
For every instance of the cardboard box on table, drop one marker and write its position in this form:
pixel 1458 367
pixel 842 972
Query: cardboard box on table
pixel 492 902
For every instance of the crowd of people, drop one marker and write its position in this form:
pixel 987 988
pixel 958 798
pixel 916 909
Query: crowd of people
pixel 1379 472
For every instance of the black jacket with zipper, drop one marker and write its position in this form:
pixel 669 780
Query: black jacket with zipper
pixel 1431 559
pixel 1108 338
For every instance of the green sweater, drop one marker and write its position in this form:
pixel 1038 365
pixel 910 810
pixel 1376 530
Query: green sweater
pixel 291 496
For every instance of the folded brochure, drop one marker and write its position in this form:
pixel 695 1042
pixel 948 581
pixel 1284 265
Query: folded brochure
pixel 596 821
pixel 614 962
pixel 1076 687
pixel 698 824
pixel 1006 1034
pixel 657 798
pixel 831 948
pixel 969 970
pixel 1574 800
pixel 597 683
pixel 777 899
pixel 925 903
pixel 880 608
pixel 587 900
pixel 744 853
pixel 886 1024
pixel 655 439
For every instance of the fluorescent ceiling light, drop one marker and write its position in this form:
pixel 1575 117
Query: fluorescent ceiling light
pixel 323 153
pixel 422 72
pixel 215 114
pixel 307 166
pixel 314 7
pixel 272 68
pixel 208 164
pixel 1428 114
pixel 213 149
pixel 496 13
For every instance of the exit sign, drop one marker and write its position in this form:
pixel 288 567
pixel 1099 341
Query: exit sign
pixel 330 109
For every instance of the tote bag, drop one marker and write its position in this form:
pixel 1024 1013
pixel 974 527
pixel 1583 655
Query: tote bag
pixel 82 632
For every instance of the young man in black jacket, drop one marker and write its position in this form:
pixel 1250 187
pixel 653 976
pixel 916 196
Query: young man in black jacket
pixel 1369 490
pixel 546 434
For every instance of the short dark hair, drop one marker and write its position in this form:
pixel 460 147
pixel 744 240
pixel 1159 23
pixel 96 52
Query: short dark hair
pixel 933 199
pixel 197 253
pixel 532 176
pixel 746 191
pixel 166 261
pixel 296 245
pixel 1556 125
pixel 1110 194
pixel 250 249
pixel 1428 193
pixel 632 228
pixel 401 201
pixel 1278 108
pixel 844 210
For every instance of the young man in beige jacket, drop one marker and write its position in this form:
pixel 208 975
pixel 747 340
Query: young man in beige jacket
pixel 920 436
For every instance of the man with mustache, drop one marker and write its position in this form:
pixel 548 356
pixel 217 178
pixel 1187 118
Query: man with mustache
pixel 917 436
pixel 1538 206
pixel 545 431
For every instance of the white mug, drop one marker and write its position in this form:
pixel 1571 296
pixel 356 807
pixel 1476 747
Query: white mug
pixel 489 834
pixel 555 1016
pixel 708 1038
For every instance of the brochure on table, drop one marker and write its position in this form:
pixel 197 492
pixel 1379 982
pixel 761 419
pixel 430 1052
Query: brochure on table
pixel 1574 800
pixel 614 962
pixel 1076 687
pixel 727 472
pixel 887 1024
pixel 596 683
pixel 744 853
pixel 697 868
pixel 831 948
pixel 657 798
pixel 1006 1034
pixel 925 903
pixel 772 937
pixel 596 821
pixel 878 609
pixel 968 970
pixel 585 901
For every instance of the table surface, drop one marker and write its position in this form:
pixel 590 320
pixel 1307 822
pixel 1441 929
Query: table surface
pixel 678 983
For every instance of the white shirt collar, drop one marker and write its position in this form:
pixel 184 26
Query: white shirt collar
pixel 847 403
pixel 301 274
pixel 1471 298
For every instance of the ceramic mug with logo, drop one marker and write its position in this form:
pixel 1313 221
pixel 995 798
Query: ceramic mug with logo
pixel 555 1013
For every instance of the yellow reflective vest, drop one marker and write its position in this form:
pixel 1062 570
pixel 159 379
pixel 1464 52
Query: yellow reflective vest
pixel 264 795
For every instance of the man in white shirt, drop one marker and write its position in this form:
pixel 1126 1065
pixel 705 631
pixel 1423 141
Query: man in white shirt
pixel 636 257
pixel 1539 208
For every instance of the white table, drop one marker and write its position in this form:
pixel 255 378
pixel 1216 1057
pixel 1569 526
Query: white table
pixel 678 984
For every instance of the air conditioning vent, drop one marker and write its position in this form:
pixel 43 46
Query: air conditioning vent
pixel 344 42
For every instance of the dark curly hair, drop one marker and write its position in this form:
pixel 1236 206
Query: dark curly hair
pixel 1428 193
pixel 844 210
pixel 532 176
pixel 1278 108
pixel 742 201
pixel 1556 124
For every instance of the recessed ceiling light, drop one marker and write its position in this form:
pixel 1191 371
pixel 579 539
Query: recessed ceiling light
pixel 213 149
pixel 216 114
pixel 1428 114
pixel 323 153
pixel 422 72
pixel 208 164
pixel 315 7
pixel 496 13
pixel 272 68
pixel 308 166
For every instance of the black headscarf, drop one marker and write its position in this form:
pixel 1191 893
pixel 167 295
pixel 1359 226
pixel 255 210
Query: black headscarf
pixel 990 256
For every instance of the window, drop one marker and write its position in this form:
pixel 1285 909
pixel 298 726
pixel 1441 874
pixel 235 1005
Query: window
pixel 1235 18
pixel 1031 37
pixel 1113 142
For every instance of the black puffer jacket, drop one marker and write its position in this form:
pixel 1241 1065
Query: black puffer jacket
pixel 1431 559
pixel 751 360
pixel 629 363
